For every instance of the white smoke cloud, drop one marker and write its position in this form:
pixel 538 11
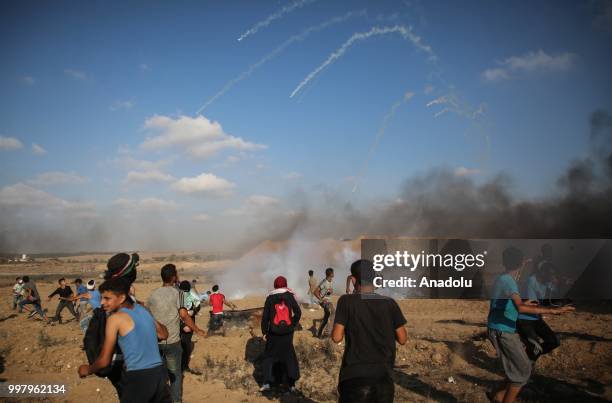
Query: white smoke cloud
pixel 381 131
pixel 405 32
pixel 300 37
pixel 264 23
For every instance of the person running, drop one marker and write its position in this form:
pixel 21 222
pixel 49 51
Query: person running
pixel 136 332
pixel 65 301
pixel 323 293
pixel 312 285
pixel 31 297
pixel 280 317
pixel 167 304
pixel 372 324
pixel 505 306
pixel 217 300
pixel 82 302
pixel 537 336
pixel 17 292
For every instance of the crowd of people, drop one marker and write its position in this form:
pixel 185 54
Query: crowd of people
pixel 144 348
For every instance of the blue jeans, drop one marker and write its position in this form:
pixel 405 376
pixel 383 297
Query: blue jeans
pixel 36 304
pixel 171 354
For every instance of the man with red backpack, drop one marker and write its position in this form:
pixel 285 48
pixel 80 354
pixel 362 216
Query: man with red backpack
pixel 280 318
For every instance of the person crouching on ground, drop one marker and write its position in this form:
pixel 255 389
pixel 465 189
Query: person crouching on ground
pixel 280 317
pixel 136 332
pixel 505 306
pixel 372 325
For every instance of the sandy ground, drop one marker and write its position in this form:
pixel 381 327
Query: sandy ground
pixel 446 339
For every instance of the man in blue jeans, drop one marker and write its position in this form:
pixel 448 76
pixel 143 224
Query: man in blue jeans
pixel 167 304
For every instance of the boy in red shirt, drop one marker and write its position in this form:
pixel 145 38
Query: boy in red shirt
pixel 217 300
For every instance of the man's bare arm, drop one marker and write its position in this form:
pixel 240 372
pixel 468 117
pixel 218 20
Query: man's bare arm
pixel 106 355
pixel 337 333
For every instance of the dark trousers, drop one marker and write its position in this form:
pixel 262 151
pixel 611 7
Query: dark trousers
pixel 145 386
pixel 187 346
pixel 328 310
pixel 366 390
pixel 60 307
pixel 35 304
pixel 537 336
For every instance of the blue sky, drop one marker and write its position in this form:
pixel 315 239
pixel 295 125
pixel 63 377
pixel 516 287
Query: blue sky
pixel 98 115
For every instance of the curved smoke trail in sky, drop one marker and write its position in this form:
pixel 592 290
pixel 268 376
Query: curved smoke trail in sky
pixel 295 38
pixel 381 131
pixel 406 32
pixel 275 16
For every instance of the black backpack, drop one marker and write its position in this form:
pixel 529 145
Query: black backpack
pixel 94 340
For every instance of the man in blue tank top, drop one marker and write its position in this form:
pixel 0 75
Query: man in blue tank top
pixel 134 329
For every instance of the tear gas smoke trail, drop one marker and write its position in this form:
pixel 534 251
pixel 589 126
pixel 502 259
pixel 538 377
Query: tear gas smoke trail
pixel 360 36
pixel 295 38
pixel 407 96
pixel 275 16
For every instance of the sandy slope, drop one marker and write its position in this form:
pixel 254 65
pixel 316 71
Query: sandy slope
pixel 446 339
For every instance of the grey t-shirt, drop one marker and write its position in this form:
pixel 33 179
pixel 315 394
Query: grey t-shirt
pixel 164 304
pixel 31 286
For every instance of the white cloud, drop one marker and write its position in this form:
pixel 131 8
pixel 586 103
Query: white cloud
pixel 256 206
pixel 201 217
pixel 495 74
pixel 22 195
pixel 530 62
pixel 149 204
pixel 259 201
pixel 292 176
pixel 118 105
pixel 57 178
pixel 204 184
pixel 38 150
pixel 540 61
pixel 463 171
pixel 131 163
pixel 148 176
pixel 428 89
pixel 144 67
pixel 199 137
pixel 76 74
pixel 29 80
pixel 9 143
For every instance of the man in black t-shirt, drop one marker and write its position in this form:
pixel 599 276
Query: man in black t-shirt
pixel 372 324
pixel 65 292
